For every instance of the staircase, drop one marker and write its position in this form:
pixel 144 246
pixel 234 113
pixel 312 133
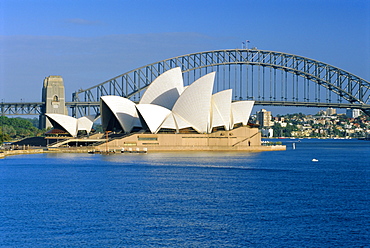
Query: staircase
pixel 113 137
pixel 245 139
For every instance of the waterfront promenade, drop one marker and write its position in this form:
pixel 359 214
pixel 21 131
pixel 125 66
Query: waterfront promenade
pixel 6 153
pixel 19 152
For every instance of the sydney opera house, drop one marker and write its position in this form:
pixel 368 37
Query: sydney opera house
pixel 170 117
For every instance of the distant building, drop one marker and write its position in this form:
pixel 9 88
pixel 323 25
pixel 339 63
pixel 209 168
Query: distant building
pixel 321 112
pixel 268 132
pixel 264 118
pixel 331 111
pixel 353 113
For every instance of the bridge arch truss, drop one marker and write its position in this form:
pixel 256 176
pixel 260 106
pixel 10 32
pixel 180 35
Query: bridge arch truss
pixel 268 77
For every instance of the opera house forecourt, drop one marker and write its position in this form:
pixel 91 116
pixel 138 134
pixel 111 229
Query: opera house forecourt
pixel 171 117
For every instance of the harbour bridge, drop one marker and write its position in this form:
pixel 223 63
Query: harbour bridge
pixel 267 77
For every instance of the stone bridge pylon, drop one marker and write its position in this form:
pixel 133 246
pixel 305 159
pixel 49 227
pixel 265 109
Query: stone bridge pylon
pixel 53 96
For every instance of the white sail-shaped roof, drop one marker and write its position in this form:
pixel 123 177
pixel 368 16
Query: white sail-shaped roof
pixel 194 104
pixel 85 123
pixel 165 89
pixel 241 112
pixel 123 109
pixel 181 122
pixel 221 109
pixel 168 104
pixel 153 115
pixel 174 121
pixel 169 122
pixel 68 123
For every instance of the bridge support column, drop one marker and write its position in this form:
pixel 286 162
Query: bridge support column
pixel 53 95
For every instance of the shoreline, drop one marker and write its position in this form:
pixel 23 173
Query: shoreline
pixel 86 150
pixel 21 152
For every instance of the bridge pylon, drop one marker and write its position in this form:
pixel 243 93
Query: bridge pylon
pixel 53 96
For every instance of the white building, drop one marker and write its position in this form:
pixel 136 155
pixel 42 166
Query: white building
pixel 267 132
pixel 331 111
pixel 264 118
pixel 169 106
pixel 71 126
pixel 353 113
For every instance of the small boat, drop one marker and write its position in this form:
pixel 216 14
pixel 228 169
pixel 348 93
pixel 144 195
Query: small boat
pixel 315 160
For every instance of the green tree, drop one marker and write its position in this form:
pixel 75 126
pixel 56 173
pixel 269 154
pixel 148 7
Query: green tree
pixel 15 128
pixel 4 138
pixel 277 129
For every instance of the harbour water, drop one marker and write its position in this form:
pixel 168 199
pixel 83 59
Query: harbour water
pixel 265 199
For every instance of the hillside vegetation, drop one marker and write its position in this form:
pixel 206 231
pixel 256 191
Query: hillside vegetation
pixel 18 128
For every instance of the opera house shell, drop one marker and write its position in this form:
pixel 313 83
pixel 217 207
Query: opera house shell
pixel 69 126
pixel 167 106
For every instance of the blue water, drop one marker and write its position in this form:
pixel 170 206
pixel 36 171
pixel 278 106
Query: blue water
pixel 266 199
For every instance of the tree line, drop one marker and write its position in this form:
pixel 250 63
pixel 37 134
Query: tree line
pixel 18 128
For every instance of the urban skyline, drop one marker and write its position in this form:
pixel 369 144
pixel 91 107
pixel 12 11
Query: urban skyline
pixel 324 124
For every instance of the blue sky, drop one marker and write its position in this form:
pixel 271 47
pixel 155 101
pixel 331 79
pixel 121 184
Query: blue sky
pixel 88 42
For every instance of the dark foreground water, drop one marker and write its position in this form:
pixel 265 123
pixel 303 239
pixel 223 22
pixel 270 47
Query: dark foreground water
pixel 267 199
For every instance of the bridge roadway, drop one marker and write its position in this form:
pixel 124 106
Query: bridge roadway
pixel 35 108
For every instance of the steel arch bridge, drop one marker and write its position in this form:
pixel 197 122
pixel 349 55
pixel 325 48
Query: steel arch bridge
pixel 268 77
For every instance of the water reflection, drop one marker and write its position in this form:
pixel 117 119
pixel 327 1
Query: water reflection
pixel 194 159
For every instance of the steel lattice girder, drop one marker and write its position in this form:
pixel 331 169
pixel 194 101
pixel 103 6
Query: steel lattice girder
pixel 347 86
pixel 21 108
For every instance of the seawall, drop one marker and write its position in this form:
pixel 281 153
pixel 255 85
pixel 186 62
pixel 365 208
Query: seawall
pixel 20 152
